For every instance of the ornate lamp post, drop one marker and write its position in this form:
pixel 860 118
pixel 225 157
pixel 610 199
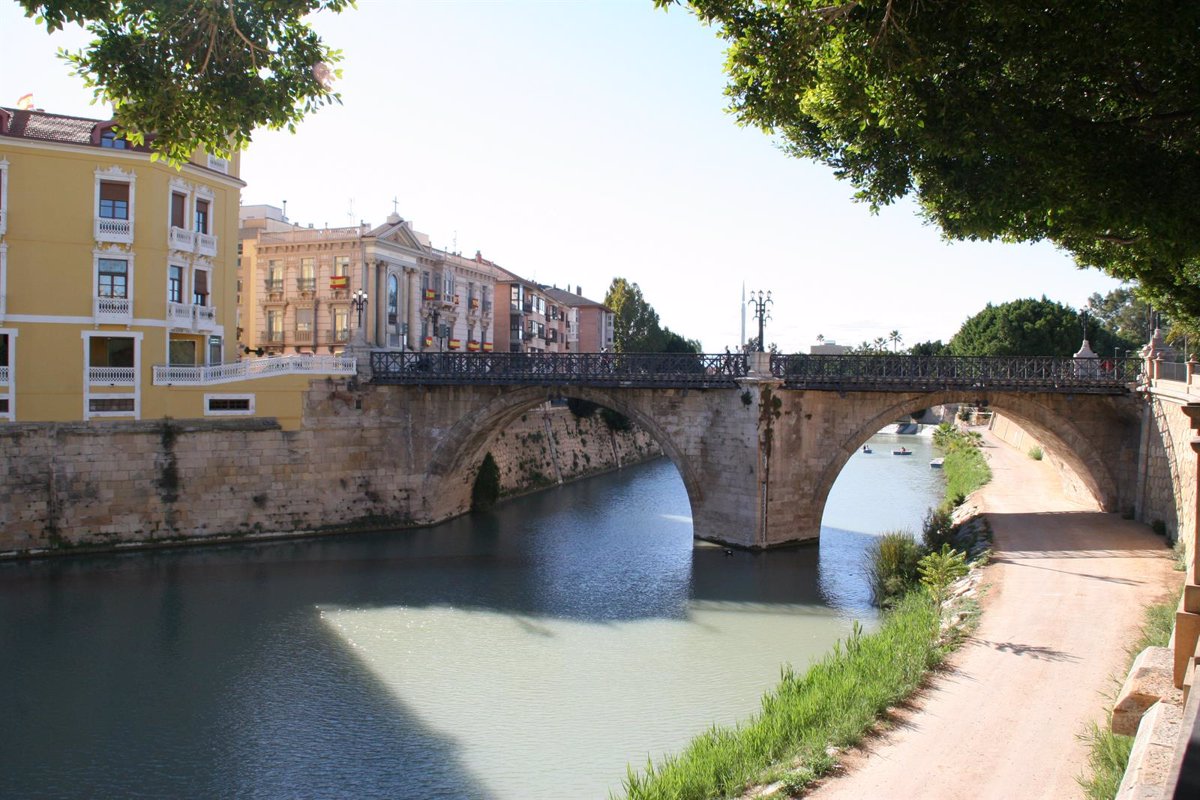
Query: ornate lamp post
pixel 358 301
pixel 759 301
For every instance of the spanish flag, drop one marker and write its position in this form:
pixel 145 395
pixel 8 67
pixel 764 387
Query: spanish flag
pixel 339 282
pixel 25 102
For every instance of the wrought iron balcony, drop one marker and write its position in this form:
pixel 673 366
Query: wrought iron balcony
pixel 681 370
pixel 929 373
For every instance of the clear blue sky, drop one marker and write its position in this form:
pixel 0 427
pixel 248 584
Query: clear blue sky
pixel 573 142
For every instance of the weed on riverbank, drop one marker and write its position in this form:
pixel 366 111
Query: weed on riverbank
pixel 1108 752
pixel 831 705
pixel 964 465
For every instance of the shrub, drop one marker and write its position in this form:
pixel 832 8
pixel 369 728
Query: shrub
pixel 1035 453
pixel 486 490
pixel 893 567
pixel 940 569
pixel 937 529
pixel 582 409
pixel 615 420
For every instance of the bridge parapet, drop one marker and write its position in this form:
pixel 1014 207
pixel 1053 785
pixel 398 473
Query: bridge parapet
pixel 897 373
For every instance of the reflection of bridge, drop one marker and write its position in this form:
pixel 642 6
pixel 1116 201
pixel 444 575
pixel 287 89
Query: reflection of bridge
pixel 758 440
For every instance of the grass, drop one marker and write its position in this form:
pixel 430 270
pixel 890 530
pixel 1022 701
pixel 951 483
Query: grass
pixel 1108 752
pixel 1036 453
pixel 833 704
pixel 893 567
pixel 964 466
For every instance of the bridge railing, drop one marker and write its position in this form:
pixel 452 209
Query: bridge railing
pixel 669 370
pixel 921 373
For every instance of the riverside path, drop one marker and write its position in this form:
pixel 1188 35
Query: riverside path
pixel 1067 588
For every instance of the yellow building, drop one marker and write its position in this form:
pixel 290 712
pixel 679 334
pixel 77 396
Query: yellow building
pixel 118 290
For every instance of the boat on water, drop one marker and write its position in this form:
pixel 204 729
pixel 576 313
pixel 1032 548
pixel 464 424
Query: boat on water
pixel 866 448
pixel 936 463
pixel 903 451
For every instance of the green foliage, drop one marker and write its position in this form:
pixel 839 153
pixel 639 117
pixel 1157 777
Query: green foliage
pixel 940 569
pixel 1108 756
pixel 963 466
pixel 934 348
pixel 832 704
pixel 1075 124
pixel 202 74
pixel 486 489
pixel 615 420
pixel 636 328
pixel 937 529
pixel 582 409
pixel 1123 313
pixel 1030 328
pixel 1036 453
pixel 893 567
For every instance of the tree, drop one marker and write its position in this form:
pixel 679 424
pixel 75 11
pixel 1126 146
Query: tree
pixel 1030 328
pixel 895 338
pixel 1071 121
pixel 1124 314
pixel 635 326
pixel 201 74
pixel 934 348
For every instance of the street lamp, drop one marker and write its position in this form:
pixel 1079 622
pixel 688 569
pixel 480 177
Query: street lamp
pixel 359 301
pixel 760 301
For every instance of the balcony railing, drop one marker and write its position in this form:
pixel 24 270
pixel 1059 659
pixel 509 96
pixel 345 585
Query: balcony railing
pixel 274 284
pixel 114 230
pixel 206 244
pixel 206 317
pixel 4 376
pixel 273 337
pixel 113 310
pixel 181 239
pixel 303 337
pixel 180 315
pixel 306 284
pixel 253 368
pixel 112 376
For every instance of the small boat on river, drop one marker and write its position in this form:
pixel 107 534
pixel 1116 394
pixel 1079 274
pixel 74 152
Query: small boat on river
pixel 866 448
pixel 903 451
pixel 936 463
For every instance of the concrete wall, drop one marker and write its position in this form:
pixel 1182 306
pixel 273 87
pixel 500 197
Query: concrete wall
pixel 1011 433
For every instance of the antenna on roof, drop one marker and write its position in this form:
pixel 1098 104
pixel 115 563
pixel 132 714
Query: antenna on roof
pixel 285 210
pixel 350 213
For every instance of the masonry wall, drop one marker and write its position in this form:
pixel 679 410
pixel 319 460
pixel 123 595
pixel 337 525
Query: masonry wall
pixel 548 445
pixel 1166 489
pixel 1011 433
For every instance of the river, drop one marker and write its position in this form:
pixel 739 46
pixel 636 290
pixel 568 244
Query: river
pixel 529 653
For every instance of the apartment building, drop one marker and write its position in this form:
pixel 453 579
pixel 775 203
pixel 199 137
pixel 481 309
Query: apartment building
pixel 299 285
pixel 589 325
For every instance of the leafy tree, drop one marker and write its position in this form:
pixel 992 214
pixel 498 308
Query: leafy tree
pixel 1071 121
pixel 1124 314
pixel 636 328
pixel 1030 328
pixel 199 74
pixel 934 348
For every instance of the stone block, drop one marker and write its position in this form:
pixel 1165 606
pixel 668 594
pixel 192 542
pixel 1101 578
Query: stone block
pixel 1152 755
pixel 1150 679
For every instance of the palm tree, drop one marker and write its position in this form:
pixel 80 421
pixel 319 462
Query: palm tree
pixel 820 338
pixel 895 338
pixel 880 342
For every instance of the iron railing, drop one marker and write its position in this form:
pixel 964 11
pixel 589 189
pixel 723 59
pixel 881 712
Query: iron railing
pixel 666 370
pixel 929 373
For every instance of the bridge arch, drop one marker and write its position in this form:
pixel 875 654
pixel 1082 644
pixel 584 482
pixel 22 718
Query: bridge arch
pixel 452 468
pixel 1047 417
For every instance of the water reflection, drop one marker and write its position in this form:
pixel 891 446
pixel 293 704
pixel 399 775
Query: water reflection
pixel 528 653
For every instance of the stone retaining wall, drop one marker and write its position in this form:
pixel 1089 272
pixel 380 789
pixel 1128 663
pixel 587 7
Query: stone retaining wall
pixel 1020 439
pixel 1167 470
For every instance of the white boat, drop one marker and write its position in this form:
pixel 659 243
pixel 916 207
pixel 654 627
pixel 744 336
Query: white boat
pixel 903 451
pixel 866 448
pixel 936 463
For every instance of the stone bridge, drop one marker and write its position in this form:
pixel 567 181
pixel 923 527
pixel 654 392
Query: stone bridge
pixel 760 441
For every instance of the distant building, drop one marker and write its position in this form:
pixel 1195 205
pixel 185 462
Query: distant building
pixel 829 348
pixel 590 325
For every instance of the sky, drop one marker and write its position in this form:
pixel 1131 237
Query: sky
pixel 574 142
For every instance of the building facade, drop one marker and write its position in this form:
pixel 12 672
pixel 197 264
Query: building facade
pixel 589 325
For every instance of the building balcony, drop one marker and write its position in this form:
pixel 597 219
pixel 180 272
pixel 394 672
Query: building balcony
pixel 273 337
pixel 206 317
pixel 206 244
pixel 112 376
pixel 113 310
pixel 182 240
pixel 253 368
pixel 114 230
pixel 303 337
pixel 337 336
pixel 180 315
pixel 308 285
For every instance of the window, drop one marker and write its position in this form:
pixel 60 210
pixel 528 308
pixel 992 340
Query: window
pixel 393 299
pixel 448 286
pixel 112 405
pixel 216 350
pixel 341 266
pixel 181 352
pixel 175 283
pixel 109 138
pixel 304 323
pixel 113 278
pixel 425 284
pixel 274 325
pixel 341 325
pixel 114 200
pixel 516 298
pixel 274 276
pixel 178 210
pixel 308 275
pixel 110 351
pixel 4 350
pixel 228 404
pixel 202 216
pixel 200 287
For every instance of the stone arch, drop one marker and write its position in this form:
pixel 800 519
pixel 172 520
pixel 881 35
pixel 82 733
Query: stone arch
pixel 466 441
pixel 1032 411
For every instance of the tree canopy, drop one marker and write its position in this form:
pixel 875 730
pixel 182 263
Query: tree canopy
pixel 200 74
pixel 636 328
pixel 1032 327
pixel 1073 121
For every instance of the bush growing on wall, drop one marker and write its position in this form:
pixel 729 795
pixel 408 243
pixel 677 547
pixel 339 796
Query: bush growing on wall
pixel 486 490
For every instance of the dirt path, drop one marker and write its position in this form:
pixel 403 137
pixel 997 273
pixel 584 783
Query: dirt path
pixel 1067 587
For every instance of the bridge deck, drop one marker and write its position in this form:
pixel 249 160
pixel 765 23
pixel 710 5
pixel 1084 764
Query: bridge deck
pixel 873 373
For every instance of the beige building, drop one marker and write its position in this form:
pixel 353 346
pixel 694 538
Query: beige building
pixel 298 288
